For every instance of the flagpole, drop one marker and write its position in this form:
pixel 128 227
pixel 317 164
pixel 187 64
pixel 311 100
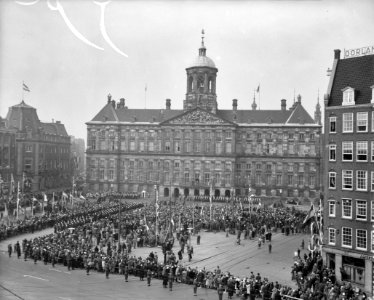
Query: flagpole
pixel 17 200
pixel 23 91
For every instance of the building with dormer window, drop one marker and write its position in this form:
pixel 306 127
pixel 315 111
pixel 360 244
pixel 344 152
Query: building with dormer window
pixel 203 150
pixel 348 244
pixel 36 154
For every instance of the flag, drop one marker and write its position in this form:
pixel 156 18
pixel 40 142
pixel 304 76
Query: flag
pixel 81 197
pixel 172 221
pixel 25 87
pixel 5 210
pixel 53 201
pixel 11 183
pixel 258 89
pixel 45 197
pixel 310 216
pixel 64 195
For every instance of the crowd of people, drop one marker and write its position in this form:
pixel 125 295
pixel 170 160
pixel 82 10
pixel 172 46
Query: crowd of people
pixel 89 240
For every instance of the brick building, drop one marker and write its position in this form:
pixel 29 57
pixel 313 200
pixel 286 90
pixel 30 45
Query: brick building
pixel 38 153
pixel 203 150
pixel 349 163
pixel 7 156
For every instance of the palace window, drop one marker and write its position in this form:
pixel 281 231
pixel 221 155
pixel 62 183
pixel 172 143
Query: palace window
pixel 361 210
pixel 372 181
pixel 110 174
pixel 347 208
pixel 362 121
pixel 167 146
pixel 372 151
pixel 348 122
pixel 332 236
pixel 347 237
pixel 347 179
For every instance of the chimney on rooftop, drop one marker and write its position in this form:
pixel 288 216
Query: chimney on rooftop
pixel 114 104
pixel 109 98
pixel 168 104
pixel 283 104
pixel 234 104
pixel 337 54
pixel 299 98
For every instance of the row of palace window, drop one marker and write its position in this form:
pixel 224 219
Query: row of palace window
pixel 347 180
pixel 362 122
pixel 206 135
pixel 207 165
pixel 362 151
pixel 347 209
pixel 218 178
pixel 207 147
pixel 47 164
pixel 361 242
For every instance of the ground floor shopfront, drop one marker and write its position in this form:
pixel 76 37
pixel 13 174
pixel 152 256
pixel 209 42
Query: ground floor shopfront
pixel 356 268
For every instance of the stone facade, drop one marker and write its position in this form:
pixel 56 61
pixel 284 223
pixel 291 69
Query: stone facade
pixel 202 150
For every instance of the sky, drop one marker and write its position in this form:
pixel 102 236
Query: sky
pixel 72 54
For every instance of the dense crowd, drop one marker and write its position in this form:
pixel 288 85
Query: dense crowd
pixel 88 239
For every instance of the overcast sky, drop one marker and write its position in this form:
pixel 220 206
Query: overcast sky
pixel 62 53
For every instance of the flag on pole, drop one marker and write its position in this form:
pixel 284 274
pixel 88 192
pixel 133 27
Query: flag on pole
pixel 11 184
pixel 5 210
pixel 81 197
pixel 25 87
pixel 310 216
pixel 64 195
pixel 258 89
pixel 32 205
pixel 53 201
pixel 172 221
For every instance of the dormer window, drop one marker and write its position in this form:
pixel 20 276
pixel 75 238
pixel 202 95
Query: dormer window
pixel 348 96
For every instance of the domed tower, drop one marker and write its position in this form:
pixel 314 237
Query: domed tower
pixel 201 82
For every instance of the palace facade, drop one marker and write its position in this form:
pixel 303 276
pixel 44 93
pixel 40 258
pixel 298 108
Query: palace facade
pixel 203 150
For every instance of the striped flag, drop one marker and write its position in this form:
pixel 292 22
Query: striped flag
pixel 25 87
pixel 258 89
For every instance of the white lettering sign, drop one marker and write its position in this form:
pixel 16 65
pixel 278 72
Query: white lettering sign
pixel 348 53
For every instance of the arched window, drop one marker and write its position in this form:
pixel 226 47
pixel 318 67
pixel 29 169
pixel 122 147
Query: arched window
pixel 200 84
pixel 190 84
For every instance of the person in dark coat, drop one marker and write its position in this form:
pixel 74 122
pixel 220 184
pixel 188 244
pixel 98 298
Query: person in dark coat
pixel 220 291
pixel 126 272
pixel 149 276
pixel 10 250
pixel 195 287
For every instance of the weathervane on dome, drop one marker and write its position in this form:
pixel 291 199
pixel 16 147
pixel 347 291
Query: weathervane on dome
pixel 202 37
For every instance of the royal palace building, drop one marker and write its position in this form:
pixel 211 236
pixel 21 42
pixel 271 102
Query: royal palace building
pixel 348 245
pixel 203 150
pixel 33 153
